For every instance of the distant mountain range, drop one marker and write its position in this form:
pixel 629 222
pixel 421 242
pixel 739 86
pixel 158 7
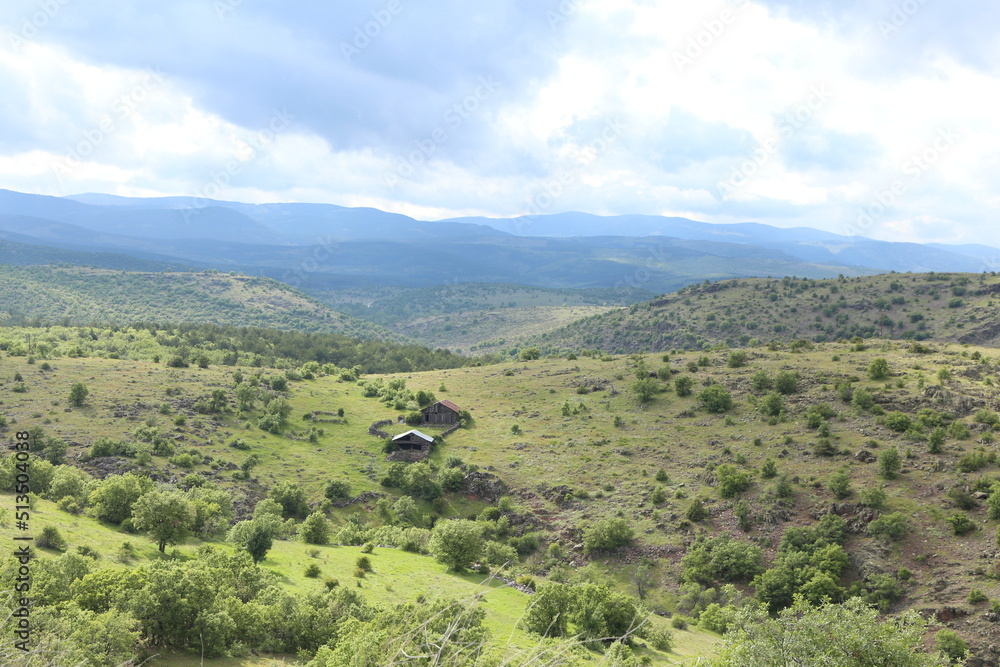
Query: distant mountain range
pixel 323 246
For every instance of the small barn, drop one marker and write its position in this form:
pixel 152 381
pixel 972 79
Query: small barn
pixel 442 412
pixel 413 441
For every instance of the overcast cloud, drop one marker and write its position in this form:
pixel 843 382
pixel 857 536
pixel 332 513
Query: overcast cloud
pixel 872 117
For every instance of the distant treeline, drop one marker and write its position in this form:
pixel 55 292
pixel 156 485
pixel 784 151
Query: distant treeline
pixel 224 345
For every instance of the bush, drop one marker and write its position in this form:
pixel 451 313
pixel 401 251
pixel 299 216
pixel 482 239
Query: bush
pixel 731 481
pixel 898 421
pixel 737 359
pixel 878 369
pixel 337 490
pixel 51 538
pixel 697 512
pixel 786 382
pixel 951 645
pixel 889 463
pixel 312 571
pixel 607 535
pixel 760 381
pixel 976 596
pixel 684 385
pixel 840 484
pixel 715 399
pixel 78 394
pixel 771 405
pixel 961 524
pixel 892 526
pixel 862 399
pixel 364 563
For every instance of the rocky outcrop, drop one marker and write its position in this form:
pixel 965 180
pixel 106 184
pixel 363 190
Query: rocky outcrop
pixel 484 485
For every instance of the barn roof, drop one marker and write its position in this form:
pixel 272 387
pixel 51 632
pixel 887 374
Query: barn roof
pixel 448 404
pixel 422 436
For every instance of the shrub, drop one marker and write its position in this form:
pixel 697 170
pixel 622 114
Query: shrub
pixel 769 469
pixel 878 369
pixel 889 463
pixel 961 524
pixel 697 512
pixel 840 484
pixel 684 385
pixel 786 382
pixel 974 461
pixel 760 381
pixel 737 359
pixel 771 405
pixel 898 421
pixel 78 394
pixel 51 538
pixel 976 596
pixel 715 399
pixel 862 399
pixel 892 526
pixel 312 570
pixel 337 490
pixel 874 497
pixel 607 535
pixel 364 563
pixel 949 643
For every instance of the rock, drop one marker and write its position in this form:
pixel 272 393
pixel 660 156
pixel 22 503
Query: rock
pixel 485 485
pixel 865 456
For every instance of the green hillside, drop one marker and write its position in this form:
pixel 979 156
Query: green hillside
pixel 85 295
pixel 832 473
pixel 939 306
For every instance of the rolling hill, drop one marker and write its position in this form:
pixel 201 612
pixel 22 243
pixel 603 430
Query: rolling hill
pixel 942 306
pixel 577 442
pixel 81 295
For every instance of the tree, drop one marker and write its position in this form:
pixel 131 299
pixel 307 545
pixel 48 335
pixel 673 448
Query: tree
pixel 457 542
pixel 786 382
pixel 646 389
pixel 683 385
pixel 530 354
pixel 168 517
pixel 259 543
pixel 78 394
pixel 315 529
pixel 889 462
pixel 878 369
pixel 840 484
pixel 548 612
pixel 290 496
pixel 838 635
pixel 113 498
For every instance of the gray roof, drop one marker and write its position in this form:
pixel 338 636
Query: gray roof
pixel 422 436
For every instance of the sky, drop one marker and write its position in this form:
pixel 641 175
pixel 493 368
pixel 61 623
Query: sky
pixel 862 117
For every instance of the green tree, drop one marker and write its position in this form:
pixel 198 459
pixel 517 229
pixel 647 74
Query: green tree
pixel 684 385
pixel 78 394
pixel 951 645
pixel 457 542
pixel 291 497
pixel 259 543
pixel 548 610
pixel 840 484
pixel 113 498
pixel 315 529
pixel 878 369
pixel 838 635
pixel 168 517
pixel 715 398
pixel 889 463
pixel 786 382
pixel 645 389
pixel 530 354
